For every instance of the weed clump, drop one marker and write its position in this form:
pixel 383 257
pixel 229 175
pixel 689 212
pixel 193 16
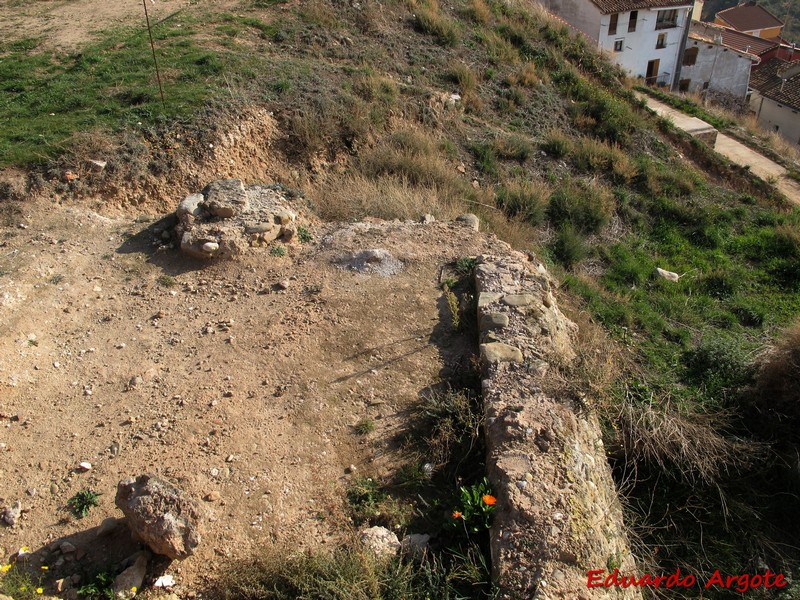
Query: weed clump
pixel 586 206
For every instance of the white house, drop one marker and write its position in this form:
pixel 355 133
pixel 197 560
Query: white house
pixel 776 97
pixel 711 63
pixel 645 37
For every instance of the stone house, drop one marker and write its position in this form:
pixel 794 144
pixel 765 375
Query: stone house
pixel 775 97
pixel 645 37
pixel 713 63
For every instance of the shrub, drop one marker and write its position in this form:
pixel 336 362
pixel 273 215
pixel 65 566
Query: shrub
pixel 430 20
pixel 586 206
pixel 465 77
pixel 720 364
pixel 351 573
pixel 569 247
pixel 525 199
pixel 513 147
pixel 499 49
pixel 486 159
pixel 556 144
pixel 480 12
pixel 776 393
pixel 591 156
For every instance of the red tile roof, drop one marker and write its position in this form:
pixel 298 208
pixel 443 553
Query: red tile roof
pixel 709 36
pixel 608 7
pixel 737 40
pixel 749 17
pixel 767 80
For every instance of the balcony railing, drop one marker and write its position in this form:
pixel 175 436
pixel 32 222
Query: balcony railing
pixel 666 24
pixel 661 80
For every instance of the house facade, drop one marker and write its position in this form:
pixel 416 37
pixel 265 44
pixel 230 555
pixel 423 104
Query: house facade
pixel 775 98
pixel 645 37
pixel 710 64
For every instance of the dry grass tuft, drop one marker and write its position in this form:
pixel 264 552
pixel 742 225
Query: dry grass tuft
pixel 776 394
pixel 356 196
pixel 480 12
pixel 688 444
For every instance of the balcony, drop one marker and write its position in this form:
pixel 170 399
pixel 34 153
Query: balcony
pixel 666 24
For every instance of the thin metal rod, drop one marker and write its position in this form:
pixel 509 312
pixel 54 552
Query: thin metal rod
pixel 153 48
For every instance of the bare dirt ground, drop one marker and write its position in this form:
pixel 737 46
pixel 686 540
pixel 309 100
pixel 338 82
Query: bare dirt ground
pixel 221 382
pixel 69 24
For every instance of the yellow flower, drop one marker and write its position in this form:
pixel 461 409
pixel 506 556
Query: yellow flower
pixel 5 568
pixel 133 590
pixel 40 590
pixel 45 567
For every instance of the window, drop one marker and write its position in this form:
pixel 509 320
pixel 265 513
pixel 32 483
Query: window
pixel 683 86
pixel 667 19
pixel 662 41
pixel 632 21
pixel 690 56
pixel 612 25
pixel 618 45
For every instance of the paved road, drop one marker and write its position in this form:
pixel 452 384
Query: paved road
pixel 734 151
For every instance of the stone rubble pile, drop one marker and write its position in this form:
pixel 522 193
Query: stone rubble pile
pixel 227 219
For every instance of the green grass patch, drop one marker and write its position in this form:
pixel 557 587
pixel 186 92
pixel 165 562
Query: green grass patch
pixel 46 97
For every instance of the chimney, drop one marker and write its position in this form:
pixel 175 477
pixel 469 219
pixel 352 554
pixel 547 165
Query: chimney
pixel 788 71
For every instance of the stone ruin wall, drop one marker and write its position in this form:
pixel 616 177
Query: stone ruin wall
pixel 558 515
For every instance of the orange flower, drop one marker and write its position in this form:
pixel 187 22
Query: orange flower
pixel 490 500
pixel 456 514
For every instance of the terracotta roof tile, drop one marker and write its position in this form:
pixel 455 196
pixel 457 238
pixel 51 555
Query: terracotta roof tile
pixel 608 7
pixel 748 17
pixel 737 40
pixel 769 84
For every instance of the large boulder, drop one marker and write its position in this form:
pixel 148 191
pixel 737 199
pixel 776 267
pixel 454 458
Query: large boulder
pixel 161 515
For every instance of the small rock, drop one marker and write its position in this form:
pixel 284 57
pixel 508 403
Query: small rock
pixel 427 219
pixel 283 284
pixel 66 548
pixel 96 165
pixel 668 275
pixel 470 220
pixel 213 496
pixel 494 321
pixel 415 544
pixel 497 352
pixel 161 515
pixel 351 469
pixel 108 526
pixel 210 247
pixel 518 299
pixel 165 581
pixel 10 514
pixel 85 466
pixel 129 582
pixel 380 541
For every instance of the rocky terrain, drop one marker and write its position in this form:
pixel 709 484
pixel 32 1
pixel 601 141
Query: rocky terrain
pixel 238 380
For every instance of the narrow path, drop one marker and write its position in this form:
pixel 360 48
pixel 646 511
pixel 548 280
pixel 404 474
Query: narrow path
pixel 731 149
